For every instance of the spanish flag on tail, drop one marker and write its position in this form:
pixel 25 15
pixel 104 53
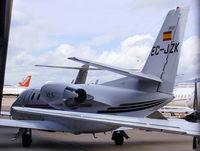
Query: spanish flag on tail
pixel 167 35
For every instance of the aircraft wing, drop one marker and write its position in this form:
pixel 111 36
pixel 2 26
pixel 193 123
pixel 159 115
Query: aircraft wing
pixel 65 67
pixel 178 126
pixel 32 124
pixel 118 70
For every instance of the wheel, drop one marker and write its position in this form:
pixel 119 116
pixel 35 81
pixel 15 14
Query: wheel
pixel 26 140
pixel 118 138
pixel 196 143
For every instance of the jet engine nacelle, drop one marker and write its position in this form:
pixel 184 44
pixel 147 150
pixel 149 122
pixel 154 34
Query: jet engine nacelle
pixel 59 94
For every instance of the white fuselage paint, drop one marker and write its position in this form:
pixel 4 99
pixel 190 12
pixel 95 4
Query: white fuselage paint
pixel 184 97
pixel 136 95
pixel 106 96
pixel 13 90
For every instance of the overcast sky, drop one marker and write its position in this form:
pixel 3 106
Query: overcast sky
pixel 118 32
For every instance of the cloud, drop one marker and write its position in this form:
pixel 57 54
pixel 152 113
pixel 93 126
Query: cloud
pixel 29 32
pixel 126 55
pixel 31 43
pixel 190 56
pixel 131 53
pixel 101 40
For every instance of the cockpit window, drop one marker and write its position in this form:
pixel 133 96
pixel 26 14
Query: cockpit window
pixel 32 96
pixel 38 96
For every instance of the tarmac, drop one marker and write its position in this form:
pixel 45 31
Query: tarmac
pixel 139 140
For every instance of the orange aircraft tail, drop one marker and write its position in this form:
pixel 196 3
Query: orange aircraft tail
pixel 25 82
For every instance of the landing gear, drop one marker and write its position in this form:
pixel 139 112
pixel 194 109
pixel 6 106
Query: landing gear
pixel 118 137
pixel 196 143
pixel 27 138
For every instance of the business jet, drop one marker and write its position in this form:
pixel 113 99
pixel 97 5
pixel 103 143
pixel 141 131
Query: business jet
pixel 184 94
pixel 183 101
pixel 82 72
pixel 182 104
pixel 183 97
pixel 82 108
pixel 17 90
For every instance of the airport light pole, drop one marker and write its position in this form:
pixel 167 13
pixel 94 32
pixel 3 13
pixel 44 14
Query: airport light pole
pixel 5 18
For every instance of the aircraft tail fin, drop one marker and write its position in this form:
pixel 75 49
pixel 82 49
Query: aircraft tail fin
pixel 25 82
pixel 164 57
pixel 82 75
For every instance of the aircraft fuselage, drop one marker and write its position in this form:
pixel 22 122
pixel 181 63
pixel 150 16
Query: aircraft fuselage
pixel 115 100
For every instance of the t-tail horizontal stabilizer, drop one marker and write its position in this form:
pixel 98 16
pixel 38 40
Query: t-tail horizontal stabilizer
pixel 118 70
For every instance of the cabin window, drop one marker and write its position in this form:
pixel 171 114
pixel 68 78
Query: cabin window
pixel 32 96
pixel 38 96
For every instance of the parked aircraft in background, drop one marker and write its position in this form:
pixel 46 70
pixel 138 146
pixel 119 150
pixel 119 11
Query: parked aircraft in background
pixel 16 90
pixel 183 101
pixel 81 108
pixel 82 74
pixel 182 104
pixel 184 96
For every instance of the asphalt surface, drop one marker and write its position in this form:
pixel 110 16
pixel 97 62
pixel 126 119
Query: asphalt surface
pixel 139 141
